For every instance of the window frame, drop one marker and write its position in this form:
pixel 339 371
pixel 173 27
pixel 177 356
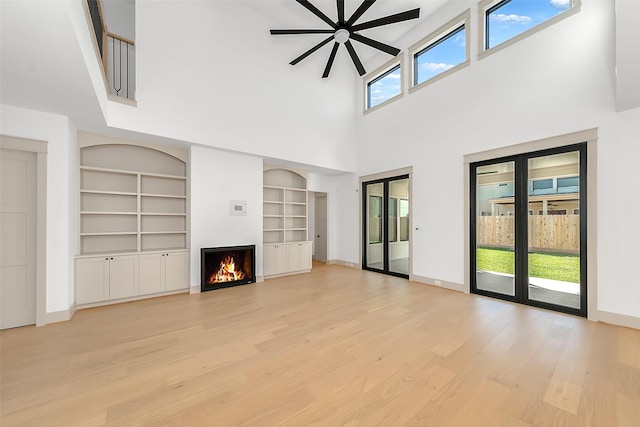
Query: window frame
pixel 435 38
pixel 485 5
pixel 378 74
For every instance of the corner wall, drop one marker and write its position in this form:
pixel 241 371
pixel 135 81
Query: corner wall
pixel 62 220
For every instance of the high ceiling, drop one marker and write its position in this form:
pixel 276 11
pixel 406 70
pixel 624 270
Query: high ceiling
pixel 286 14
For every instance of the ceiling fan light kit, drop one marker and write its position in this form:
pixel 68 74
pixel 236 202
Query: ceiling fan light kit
pixel 343 31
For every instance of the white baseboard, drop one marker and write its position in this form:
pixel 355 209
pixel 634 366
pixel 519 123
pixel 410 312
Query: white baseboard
pixel 349 264
pixel 439 283
pixel 616 319
pixel 194 289
pixel 61 316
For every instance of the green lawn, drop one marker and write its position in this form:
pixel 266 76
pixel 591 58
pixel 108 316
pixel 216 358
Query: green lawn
pixel 561 267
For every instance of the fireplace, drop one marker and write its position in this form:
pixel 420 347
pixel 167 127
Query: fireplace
pixel 227 266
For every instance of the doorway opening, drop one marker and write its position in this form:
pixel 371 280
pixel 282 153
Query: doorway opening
pixel 386 229
pixel 528 228
pixel 318 225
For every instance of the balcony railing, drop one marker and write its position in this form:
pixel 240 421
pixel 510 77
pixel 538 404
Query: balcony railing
pixel 118 55
pixel 121 66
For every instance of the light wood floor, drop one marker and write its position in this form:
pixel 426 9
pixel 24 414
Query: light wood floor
pixel 334 347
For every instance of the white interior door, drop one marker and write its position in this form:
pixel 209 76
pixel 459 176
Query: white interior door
pixel 321 227
pixel 18 238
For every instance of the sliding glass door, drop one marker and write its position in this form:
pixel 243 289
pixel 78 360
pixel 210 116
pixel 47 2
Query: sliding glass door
pixel 386 226
pixel 528 229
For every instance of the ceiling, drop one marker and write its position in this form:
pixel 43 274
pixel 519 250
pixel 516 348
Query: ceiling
pixel 288 14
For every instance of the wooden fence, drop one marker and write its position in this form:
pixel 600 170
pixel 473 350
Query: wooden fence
pixel 546 232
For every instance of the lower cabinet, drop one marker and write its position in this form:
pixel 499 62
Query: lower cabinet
pixel 167 271
pixel 106 278
pixel 285 258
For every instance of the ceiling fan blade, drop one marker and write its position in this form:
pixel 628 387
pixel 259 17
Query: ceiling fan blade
pixel 301 31
pixel 354 57
pixel 366 4
pixel 340 4
pixel 327 69
pixel 378 45
pixel 391 19
pixel 317 12
pixel 310 51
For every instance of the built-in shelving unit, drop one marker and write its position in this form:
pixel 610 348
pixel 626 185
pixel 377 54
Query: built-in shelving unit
pixel 286 249
pixel 133 216
pixel 284 206
pixel 131 210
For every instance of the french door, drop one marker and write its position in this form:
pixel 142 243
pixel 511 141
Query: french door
pixel 386 226
pixel 528 229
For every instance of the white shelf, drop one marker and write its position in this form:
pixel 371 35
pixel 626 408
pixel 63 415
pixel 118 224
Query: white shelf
pixel 106 213
pixel 164 196
pixel 131 172
pixel 108 170
pixel 113 193
pixel 111 233
pixel 144 233
pixel 161 214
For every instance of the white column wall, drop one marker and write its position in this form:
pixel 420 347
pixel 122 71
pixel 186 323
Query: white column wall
pixel 217 177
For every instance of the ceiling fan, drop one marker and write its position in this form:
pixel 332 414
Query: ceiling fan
pixel 343 30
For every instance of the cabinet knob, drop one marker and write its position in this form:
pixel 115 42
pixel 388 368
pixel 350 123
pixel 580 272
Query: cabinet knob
pixel 106 259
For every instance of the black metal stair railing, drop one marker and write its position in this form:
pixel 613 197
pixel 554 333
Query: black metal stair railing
pixel 121 66
pixel 117 54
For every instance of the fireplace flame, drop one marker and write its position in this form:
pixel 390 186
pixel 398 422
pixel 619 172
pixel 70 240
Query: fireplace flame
pixel 227 272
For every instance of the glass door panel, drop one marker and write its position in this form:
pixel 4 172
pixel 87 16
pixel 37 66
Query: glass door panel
pixel 375 226
pixel 398 198
pixel 495 228
pixel 554 229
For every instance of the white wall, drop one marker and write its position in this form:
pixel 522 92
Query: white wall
pixel 331 186
pixel 619 228
pixel 62 215
pixel 348 219
pixel 557 81
pixel 217 177
pixel 119 17
pixel 210 73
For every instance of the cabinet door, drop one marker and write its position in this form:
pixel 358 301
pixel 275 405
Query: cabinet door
pixel 305 256
pixel 123 276
pixel 176 270
pixel 92 280
pixel 151 274
pixel 282 265
pixel 269 260
pixel 293 257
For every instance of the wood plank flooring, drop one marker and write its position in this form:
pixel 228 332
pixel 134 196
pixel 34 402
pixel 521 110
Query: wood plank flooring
pixel 335 347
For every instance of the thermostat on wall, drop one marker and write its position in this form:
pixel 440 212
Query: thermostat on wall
pixel 238 207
